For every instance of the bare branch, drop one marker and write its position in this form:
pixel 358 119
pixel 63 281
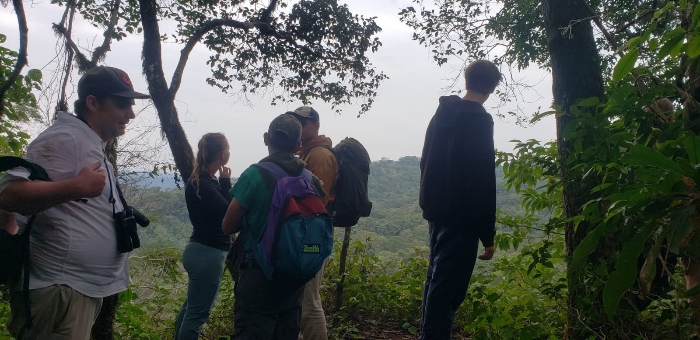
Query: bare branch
pixel 64 17
pixel 22 56
pixel 267 12
pixel 596 19
pixel 83 62
pixel 638 19
pixel 99 53
pixel 62 101
pixel 193 40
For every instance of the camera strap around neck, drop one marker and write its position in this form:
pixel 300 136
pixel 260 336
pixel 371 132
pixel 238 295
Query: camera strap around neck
pixel 112 200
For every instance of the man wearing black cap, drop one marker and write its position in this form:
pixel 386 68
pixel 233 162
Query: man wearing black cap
pixel 320 160
pixel 74 260
pixel 260 312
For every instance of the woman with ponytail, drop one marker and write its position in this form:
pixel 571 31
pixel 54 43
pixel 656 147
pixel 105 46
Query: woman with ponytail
pixel 207 200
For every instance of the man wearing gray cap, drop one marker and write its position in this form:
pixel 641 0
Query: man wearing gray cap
pixel 260 311
pixel 321 161
pixel 74 261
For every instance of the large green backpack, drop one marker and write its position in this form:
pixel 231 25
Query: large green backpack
pixel 351 198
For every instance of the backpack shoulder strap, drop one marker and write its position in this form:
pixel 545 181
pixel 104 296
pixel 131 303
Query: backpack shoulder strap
pixel 308 176
pixel 306 154
pixel 275 170
pixel 270 176
pixel 36 172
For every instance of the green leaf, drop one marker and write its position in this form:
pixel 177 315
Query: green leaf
pixel 570 128
pixel 644 156
pixel 601 187
pixel 693 49
pixel 3 38
pixel 625 273
pixel 688 169
pixel 540 115
pixel 663 10
pixel 692 147
pixel 622 137
pixel 679 227
pixel 589 102
pixel 625 65
pixel 34 74
pixel 653 44
pixel 493 297
pixel 586 247
pixel 696 15
pixel 675 39
pixel 634 42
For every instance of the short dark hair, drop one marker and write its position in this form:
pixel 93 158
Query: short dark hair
pixel 80 106
pixel 482 76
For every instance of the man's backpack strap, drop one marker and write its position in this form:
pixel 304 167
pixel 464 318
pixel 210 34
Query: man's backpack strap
pixel 25 274
pixel 276 173
pixel 306 154
pixel 36 172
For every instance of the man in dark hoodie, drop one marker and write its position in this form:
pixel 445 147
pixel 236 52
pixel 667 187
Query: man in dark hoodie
pixel 458 196
pixel 260 311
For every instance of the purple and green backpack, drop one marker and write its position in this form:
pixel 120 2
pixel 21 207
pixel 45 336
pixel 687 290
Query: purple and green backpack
pixel 298 237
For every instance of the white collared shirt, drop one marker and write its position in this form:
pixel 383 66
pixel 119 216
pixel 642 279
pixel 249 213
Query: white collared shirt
pixel 73 243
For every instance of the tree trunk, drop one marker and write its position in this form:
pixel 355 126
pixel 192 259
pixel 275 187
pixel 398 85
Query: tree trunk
pixel 158 88
pixel 576 74
pixel 103 328
pixel 341 270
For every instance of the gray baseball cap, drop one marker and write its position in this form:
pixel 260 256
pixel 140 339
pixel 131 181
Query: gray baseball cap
pixel 305 112
pixel 284 132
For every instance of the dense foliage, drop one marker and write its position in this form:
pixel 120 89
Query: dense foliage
pixel 518 295
pixel 19 103
pixel 625 172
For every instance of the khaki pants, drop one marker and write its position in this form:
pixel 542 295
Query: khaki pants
pixel 59 313
pixel 313 321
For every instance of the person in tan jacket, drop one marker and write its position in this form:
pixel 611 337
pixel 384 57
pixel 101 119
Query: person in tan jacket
pixel 320 160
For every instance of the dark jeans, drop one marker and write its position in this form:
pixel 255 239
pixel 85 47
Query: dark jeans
pixel 453 252
pixel 260 312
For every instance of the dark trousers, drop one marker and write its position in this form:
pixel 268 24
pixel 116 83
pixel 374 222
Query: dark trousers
pixel 453 251
pixel 260 312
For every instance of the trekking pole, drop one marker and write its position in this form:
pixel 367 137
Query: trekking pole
pixel 341 271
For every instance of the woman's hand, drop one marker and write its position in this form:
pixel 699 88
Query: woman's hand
pixel 224 172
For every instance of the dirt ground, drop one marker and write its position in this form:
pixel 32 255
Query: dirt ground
pixel 389 332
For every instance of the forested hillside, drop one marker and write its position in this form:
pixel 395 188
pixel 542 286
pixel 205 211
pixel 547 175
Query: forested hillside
pixel 394 228
pixel 520 294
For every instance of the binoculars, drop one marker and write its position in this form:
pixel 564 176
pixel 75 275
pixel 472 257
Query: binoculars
pixel 125 223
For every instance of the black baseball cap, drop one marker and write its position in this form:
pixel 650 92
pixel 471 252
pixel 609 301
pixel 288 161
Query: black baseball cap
pixel 284 132
pixel 105 80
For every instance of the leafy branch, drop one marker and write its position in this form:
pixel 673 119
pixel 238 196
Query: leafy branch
pixel 21 57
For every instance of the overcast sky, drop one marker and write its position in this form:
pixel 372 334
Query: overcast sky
pixel 393 128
